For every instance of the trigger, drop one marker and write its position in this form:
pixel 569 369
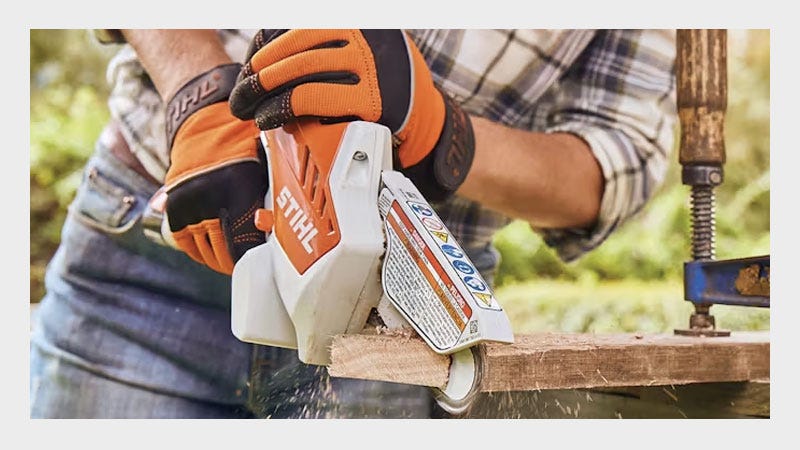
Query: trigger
pixel 264 220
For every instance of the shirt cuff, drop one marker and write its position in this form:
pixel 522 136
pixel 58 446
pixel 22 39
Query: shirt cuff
pixel 612 150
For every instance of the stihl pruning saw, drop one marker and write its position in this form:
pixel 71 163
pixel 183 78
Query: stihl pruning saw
pixel 347 237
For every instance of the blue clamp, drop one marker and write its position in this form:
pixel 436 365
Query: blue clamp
pixel 741 282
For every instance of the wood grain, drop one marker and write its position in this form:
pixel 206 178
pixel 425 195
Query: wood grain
pixel 702 94
pixel 563 361
pixel 398 359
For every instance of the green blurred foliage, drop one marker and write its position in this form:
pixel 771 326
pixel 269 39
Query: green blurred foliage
pixel 68 110
pixel 654 244
pixel 603 306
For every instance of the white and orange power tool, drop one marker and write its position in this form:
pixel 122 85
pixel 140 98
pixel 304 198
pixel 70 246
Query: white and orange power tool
pixel 348 236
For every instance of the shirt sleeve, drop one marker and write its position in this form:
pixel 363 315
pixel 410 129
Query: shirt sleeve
pixel 106 36
pixel 619 97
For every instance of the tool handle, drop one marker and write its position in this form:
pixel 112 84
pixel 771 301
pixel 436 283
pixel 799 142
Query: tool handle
pixel 258 313
pixel 702 92
pixel 155 222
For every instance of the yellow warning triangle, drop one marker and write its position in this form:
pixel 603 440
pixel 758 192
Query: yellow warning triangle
pixel 485 298
pixel 441 235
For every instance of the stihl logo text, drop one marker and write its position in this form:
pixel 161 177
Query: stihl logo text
pixel 301 224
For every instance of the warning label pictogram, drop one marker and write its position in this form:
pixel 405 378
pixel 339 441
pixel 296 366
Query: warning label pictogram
pixel 452 251
pixel 485 298
pixel 432 224
pixel 475 283
pixel 441 235
pixel 421 210
pixel 463 267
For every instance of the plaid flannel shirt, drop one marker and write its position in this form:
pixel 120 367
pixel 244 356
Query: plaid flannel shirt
pixel 613 88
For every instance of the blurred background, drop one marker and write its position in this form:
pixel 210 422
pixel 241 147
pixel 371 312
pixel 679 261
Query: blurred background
pixel 631 283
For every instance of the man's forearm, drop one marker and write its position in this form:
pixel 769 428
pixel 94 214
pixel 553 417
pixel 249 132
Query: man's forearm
pixel 173 57
pixel 548 180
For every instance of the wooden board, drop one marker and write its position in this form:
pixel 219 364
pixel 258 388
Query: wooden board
pixel 563 361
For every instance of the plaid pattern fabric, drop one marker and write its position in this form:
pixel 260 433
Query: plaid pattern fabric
pixel 613 88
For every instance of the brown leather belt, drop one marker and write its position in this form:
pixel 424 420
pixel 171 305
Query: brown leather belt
pixel 112 138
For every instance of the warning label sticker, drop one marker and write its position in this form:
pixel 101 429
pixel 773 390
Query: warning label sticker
pixel 429 278
pixel 419 286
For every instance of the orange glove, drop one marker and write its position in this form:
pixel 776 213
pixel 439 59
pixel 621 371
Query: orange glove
pixel 372 75
pixel 217 176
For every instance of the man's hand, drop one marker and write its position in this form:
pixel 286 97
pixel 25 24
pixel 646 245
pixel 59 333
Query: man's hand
pixel 217 173
pixel 217 176
pixel 372 75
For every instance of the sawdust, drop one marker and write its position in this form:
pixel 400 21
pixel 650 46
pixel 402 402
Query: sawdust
pixel 529 405
pixel 407 333
pixel 670 394
pixel 302 391
pixel 376 327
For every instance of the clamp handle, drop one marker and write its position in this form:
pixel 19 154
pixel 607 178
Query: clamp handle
pixel 702 95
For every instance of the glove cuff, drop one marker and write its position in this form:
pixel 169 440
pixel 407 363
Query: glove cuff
pixel 445 168
pixel 209 87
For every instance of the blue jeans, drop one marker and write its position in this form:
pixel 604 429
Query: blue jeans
pixel 131 329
